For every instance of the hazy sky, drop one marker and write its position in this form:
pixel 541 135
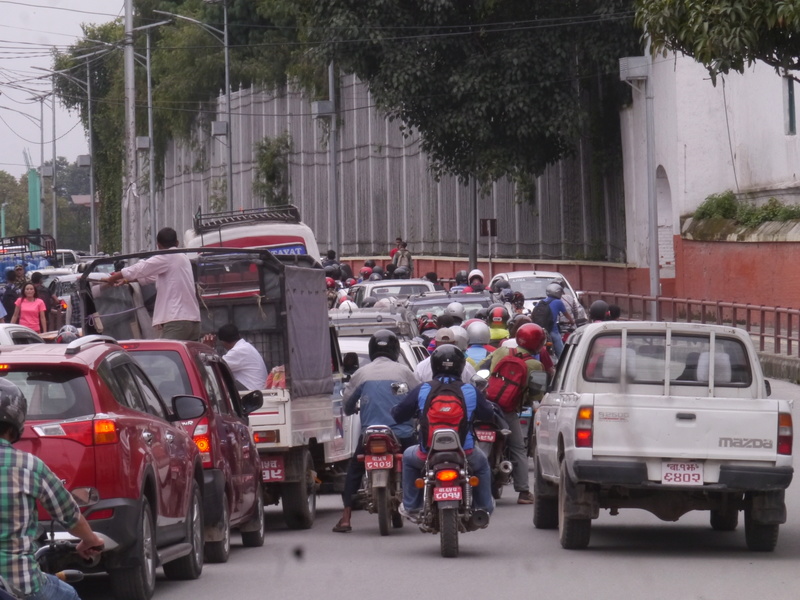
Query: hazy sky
pixel 29 29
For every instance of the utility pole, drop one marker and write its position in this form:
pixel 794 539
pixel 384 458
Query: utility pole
pixel 55 193
pixel 130 202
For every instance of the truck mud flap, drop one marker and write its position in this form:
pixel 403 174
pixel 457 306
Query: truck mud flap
pixel 768 508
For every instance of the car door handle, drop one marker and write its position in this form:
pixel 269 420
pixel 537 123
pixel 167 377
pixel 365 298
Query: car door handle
pixel 148 437
pixel 686 416
pixel 169 437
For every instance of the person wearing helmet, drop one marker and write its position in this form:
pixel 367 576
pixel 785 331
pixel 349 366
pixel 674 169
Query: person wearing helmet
pixel 388 302
pixel 447 363
pixel 333 271
pixel 349 282
pixel 457 311
pixel 331 292
pixel 598 311
pixel 65 337
pixel 426 322
pixel 557 308
pixel 518 302
pixel 498 318
pixel 364 273
pixel 24 481
pixel 479 347
pixel 370 393
pixel 498 285
pixel 442 321
pixel 375 277
pixel 475 281
pixel 461 281
pixel 462 338
pixel 530 342
pixel 347 305
pixel 330 259
pixel 401 272
pixel 445 336
pixel 368 302
pixel 378 270
pixel 573 305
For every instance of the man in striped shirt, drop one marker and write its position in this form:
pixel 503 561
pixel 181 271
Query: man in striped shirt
pixel 24 479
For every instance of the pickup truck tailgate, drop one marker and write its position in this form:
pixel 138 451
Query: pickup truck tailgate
pixel 685 427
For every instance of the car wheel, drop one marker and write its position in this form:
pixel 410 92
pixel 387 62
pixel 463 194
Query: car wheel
pixel 299 498
pixel 724 520
pixel 545 505
pixel 191 565
pixel 138 583
pixel 254 538
pixel 220 551
pixel 573 533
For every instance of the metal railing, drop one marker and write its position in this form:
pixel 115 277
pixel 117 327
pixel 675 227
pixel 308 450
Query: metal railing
pixel 774 329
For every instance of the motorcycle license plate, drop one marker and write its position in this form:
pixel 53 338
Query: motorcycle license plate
pixel 486 435
pixel 441 494
pixel 681 473
pixel 378 461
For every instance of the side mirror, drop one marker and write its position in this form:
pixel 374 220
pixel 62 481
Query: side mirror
pixel 769 387
pixel 537 382
pixel 252 401
pixel 186 408
pixel 479 382
pixel 399 389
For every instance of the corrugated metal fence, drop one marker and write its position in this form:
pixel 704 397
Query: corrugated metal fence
pixel 385 188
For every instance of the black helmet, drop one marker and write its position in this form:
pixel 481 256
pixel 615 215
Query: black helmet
pixel 461 278
pixel 402 273
pixel 375 277
pixel 448 360
pixel 333 272
pixel 368 302
pixel 379 270
pixel 500 284
pixel 13 407
pixel 66 337
pixel 384 343
pixel 482 314
pixel 598 311
pixel 369 263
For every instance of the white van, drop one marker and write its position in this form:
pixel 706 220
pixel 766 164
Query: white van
pixel 278 229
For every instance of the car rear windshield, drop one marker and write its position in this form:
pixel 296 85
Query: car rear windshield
pixel 166 370
pixel 53 394
pixel 530 287
pixel 690 360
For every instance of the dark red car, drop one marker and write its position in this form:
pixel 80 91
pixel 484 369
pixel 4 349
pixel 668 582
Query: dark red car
pixel 98 422
pixel 232 469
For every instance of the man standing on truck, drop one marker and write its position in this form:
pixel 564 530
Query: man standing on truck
pixel 177 311
pixel 372 385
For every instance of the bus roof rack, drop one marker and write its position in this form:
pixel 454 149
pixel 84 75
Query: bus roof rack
pixel 286 213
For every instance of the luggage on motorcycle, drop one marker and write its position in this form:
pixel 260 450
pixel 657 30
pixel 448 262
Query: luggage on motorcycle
pixel 508 381
pixel 542 315
pixel 444 408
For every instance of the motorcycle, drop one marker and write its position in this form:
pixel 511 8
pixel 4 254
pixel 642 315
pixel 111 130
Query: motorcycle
pixel 381 493
pixel 447 493
pixel 491 438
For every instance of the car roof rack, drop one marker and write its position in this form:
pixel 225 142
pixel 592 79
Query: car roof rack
pixel 286 213
pixel 76 346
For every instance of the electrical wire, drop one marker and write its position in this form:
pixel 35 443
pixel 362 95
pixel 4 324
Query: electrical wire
pixel 728 127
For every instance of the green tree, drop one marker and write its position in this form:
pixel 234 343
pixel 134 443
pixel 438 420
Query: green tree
pixel 14 194
pixel 494 88
pixel 725 35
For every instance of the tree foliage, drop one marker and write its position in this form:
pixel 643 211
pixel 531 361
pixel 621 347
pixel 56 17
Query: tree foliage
pixel 725 35
pixel 494 88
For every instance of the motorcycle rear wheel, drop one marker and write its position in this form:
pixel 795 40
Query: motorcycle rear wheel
pixel 384 511
pixel 448 532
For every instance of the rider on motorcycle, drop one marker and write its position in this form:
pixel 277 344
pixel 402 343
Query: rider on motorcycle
pixel 24 479
pixel 372 386
pixel 447 363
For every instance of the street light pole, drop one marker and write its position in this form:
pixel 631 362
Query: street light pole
pixel 92 216
pixel 224 41
pixel 55 194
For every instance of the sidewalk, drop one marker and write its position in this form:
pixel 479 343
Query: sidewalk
pixel 780 366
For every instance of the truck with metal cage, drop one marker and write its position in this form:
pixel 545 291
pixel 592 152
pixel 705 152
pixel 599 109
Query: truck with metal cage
pixel 278 304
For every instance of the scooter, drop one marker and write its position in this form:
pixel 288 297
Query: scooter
pixel 383 459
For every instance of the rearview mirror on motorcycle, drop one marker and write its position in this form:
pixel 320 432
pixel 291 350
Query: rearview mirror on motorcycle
pixel 537 382
pixel 399 389
pixel 480 382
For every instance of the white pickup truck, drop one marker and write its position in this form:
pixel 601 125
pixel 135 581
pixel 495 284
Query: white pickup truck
pixel 666 417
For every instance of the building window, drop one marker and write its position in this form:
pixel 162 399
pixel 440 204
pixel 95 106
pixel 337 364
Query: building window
pixel 790 114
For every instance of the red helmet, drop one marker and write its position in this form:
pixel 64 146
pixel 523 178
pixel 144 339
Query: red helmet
pixel 330 283
pixel 498 317
pixel 531 337
pixel 426 321
pixel 365 272
pixel 350 282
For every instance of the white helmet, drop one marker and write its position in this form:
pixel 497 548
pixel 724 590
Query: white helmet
pixel 475 273
pixel 387 302
pixel 479 333
pixel 456 309
pixel 554 290
pixel 462 338
pixel 348 306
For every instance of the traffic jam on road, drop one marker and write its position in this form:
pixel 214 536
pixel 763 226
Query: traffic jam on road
pixel 311 376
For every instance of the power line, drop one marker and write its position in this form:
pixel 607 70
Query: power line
pixel 72 10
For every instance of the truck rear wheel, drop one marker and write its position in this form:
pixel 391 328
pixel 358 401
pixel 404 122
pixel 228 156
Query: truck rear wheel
pixel 299 498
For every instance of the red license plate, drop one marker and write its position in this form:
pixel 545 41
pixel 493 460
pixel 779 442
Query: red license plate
pixel 378 461
pixel 272 468
pixel 441 494
pixel 486 435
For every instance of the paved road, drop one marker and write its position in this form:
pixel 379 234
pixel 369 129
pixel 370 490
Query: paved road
pixel 631 556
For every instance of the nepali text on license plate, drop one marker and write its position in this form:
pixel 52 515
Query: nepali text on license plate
pixel 378 461
pixel 485 435
pixel 446 493
pixel 681 473
pixel 272 469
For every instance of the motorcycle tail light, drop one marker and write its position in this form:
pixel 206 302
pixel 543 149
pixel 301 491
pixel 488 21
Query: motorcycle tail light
pixel 447 475
pixel 473 481
pixel 378 446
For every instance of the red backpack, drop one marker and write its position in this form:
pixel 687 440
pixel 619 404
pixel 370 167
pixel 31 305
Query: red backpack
pixel 444 408
pixel 508 381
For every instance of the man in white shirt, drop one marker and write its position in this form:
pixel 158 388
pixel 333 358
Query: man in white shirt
pixel 242 358
pixel 177 311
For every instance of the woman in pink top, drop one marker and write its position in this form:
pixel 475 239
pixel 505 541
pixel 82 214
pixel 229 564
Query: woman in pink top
pixel 30 309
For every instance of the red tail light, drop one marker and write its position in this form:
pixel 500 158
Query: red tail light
pixel 377 446
pixel 99 432
pixel 63 305
pixel 583 427
pixel 447 475
pixel 203 441
pixel 785 433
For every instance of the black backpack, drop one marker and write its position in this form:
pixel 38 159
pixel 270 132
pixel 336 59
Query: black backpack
pixel 542 315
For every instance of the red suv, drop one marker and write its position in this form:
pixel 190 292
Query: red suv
pixel 232 475
pixel 99 423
